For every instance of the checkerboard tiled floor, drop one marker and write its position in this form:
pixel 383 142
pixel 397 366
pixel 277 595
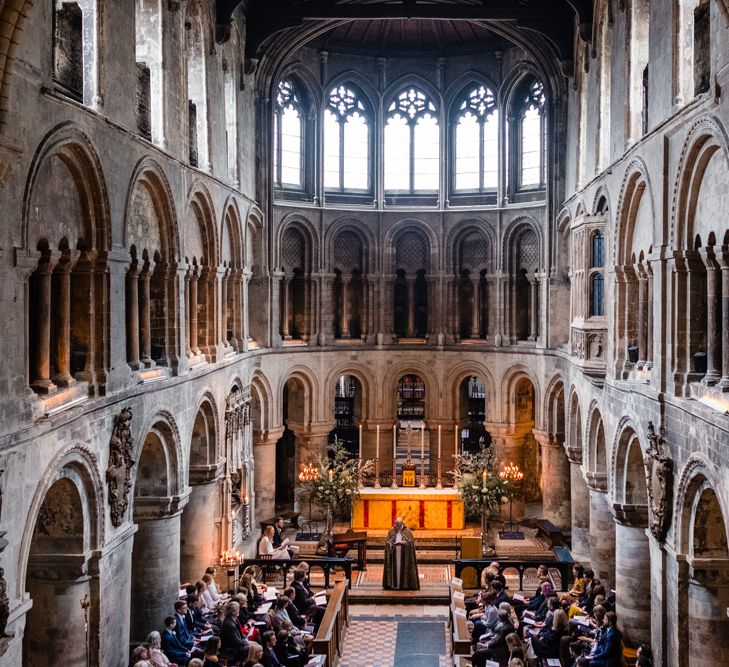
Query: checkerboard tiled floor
pixel 375 637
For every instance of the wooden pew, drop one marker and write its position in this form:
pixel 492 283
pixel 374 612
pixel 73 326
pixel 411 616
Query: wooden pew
pixel 330 637
pixel 457 621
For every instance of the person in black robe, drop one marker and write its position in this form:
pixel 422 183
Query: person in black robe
pixel 401 565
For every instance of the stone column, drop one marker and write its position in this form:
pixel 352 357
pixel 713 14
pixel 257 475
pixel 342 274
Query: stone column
pixel 193 313
pixel 224 310
pixel 475 319
pixel 533 308
pixel 264 454
pixel 344 312
pixel 42 366
pixel 580 506
pixel 633 574
pixel 713 321
pixel 649 348
pixel 285 307
pixel 555 480
pixel 642 315
pixel 198 525
pixel 602 531
pixel 145 322
pixel 62 323
pixel 55 624
pixel 707 621
pixel 411 305
pixel 155 562
pixel 245 316
pixel 132 308
pixel 724 384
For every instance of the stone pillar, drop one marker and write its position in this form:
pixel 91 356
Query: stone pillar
pixel 707 621
pixel 225 313
pixel 145 322
pixel 344 311
pixel 194 349
pixel 580 514
pixel 62 323
pixel 475 312
pixel 633 575
pixel 713 320
pixel 724 384
pixel 533 308
pixel 245 331
pixel 198 528
pixel 155 563
pixel 602 532
pixel 264 454
pixel 285 307
pixel 555 480
pixel 42 367
pixel 642 316
pixel 54 631
pixel 132 308
pixel 649 348
pixel 411 306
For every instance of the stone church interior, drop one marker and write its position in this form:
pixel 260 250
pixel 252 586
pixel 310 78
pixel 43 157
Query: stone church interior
pixel 314 259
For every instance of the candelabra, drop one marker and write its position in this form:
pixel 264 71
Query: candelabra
pixel 512 476
pixel 308 473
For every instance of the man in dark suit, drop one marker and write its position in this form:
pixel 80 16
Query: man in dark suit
pixel 296 618
pixel 171 645
pixel 232 641
pixel 501 596
pixel 279 540
pixel 304 600
pixel 269 658
pixel 186 637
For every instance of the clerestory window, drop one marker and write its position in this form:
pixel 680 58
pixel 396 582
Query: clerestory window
pixel 288 138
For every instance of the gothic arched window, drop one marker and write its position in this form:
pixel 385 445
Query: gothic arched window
pixel 346 141
pixel 531 136
pixel 412 143
pixel 288 138
pixel 477 142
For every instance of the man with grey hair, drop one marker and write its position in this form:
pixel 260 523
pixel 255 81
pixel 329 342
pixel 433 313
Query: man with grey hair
pixel 401 565
pixel 232 641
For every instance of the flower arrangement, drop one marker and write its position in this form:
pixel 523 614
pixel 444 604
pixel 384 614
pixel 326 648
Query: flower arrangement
pixel 479 483
pixel 337 485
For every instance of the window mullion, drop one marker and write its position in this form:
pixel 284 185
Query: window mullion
pixel 412 158
pixel 481 160
pixel 341 154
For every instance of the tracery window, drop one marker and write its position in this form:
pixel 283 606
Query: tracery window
pixel 477 142
pixel 288 137
pixel 346 141
pixel 532 173
pixel 597 279
pixel 412 143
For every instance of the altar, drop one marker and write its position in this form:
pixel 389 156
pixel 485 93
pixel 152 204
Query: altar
pixel 432 509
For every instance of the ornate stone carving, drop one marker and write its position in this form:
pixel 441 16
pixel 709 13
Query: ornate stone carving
pixel 119 471
pixel 588 345
pixel 55 520
pixel 658 472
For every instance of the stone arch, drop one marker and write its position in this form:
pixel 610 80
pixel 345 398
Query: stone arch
pixel 204 451
pixel 232 251
pixel 457 375
pixel 554 419
pixel 596 460
pixel 168 444
pixel 704 139
pixel 201 243
pixel 254 241
pixel 635 185
pixel 58 561
pixel 232 258
pixel 404 231
pixel 433 398
pixel 349 225
pixel 67 152
pixel 517 77
pixel 701 535
pixel 372 97
pixel 262 414
pixel 516 257
pixel 479 229
pixel 627 469
pixel 455 90
pixel 367 383
pixel 306 378
pixel 575 423
pixel 598 207
pixel 509 384
pixel 414 80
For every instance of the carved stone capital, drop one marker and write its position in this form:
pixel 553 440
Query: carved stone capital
pixel 635 516
pixel 149 508
pixel 710 572
pixel 597 481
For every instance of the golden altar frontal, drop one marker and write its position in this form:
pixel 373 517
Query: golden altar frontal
pixel 432 509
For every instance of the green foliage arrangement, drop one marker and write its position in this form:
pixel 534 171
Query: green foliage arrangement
pixel 337 486
pixel 476 477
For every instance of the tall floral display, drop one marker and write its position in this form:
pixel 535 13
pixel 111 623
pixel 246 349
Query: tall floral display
pixel 338 482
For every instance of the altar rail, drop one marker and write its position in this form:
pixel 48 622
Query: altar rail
pixel 315 562
pixel 329 638
pixel 562 563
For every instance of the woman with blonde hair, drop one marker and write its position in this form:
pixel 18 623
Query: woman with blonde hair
pixel 255 653
pixel 266 548
pixel 154 650
pixel 517 650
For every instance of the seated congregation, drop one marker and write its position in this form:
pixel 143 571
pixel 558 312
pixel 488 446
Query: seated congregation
pixel 577 628
pixel 254 625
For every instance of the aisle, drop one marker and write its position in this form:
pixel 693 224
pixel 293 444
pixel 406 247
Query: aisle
pixel 396 636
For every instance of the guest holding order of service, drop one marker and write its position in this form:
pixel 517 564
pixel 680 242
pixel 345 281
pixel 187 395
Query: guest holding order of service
pixel 401 565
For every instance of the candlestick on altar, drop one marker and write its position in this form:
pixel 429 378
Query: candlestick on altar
pixel 360 442
pixel 359 470
pixel 377 472
pixel 394 457
pixel 422 457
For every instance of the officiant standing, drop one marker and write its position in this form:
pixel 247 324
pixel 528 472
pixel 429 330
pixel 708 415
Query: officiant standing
pixel 401 565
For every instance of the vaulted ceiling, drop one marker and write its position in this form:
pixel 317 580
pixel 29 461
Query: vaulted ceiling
pixel 381 25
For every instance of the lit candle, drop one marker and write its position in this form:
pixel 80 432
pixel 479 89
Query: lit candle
pixel 360 442
pixel 483 476
pixel 377 443
pixel 422 442
pixel 331 475
pixel 439 428
pixel 455 439
pixel 394 440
